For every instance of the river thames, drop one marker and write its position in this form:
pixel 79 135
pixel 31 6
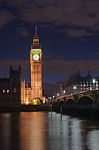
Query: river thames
pixel 46 131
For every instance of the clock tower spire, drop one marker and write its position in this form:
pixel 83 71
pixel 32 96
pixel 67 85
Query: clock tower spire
pixel 36 43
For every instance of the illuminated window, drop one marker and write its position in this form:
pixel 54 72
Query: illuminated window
pixel 74 87
pixel 64 91
pixel 84 85
pixel 87 83
pixel 94 81
pixel 8 91
pixel 3 91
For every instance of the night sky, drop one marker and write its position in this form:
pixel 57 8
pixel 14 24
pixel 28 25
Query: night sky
pixel 68 31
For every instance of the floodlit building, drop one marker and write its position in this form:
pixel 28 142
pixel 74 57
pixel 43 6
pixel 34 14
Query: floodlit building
pixel 78 83
pixel 32 93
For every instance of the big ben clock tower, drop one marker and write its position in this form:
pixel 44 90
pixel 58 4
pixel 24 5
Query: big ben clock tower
pixel 36 68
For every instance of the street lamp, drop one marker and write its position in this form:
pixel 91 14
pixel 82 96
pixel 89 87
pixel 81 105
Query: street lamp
pixel 64 91
pixel 53 96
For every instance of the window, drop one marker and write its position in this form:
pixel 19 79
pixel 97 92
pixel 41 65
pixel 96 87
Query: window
pixel 8 91
pixel 3 91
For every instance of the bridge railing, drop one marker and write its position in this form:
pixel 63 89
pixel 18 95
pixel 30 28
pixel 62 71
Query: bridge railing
pixel 68 95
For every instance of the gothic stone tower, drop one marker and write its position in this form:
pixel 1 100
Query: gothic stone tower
pixel 36 68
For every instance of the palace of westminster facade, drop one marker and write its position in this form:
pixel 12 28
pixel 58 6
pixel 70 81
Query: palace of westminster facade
pixel 14 91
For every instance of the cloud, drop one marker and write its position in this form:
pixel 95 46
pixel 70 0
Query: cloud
pixel 78 33
pixel 5 17
pixel 5 65
pixel 77 13
pixel 23 31
pixel 67 67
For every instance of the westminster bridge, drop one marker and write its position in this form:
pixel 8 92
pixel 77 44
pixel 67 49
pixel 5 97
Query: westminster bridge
pixel 88 98
pixel 82 104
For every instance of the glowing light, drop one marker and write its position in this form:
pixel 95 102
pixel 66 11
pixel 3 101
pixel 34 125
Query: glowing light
pixel 3 91
pixel 7 91
pixel 74 87
pixel 53 96
pixel 94 81
pixel 27 101
pixel 57 94
pixel 64 91
pixel 84 85
pixel 34 102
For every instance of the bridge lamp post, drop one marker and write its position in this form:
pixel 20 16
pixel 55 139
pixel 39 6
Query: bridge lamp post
pixel 53 96
pixel 74 87
pixel 64 91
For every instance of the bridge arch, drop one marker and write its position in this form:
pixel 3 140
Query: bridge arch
pixel 85 101
pixel 70 102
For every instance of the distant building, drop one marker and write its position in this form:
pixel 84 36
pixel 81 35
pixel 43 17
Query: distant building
pixel 10 88
pixel 78 83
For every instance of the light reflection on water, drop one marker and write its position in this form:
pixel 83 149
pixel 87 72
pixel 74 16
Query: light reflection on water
pixel 41 131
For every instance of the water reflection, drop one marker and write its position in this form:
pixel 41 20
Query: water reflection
pixel 9 131
pixel 33 131
pixel 84 134
pixel 4 131
pixel 43 131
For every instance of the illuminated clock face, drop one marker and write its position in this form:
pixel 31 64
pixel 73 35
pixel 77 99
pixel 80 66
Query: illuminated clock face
pixel 35 56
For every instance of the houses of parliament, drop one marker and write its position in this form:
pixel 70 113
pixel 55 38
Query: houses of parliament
pixel 14 91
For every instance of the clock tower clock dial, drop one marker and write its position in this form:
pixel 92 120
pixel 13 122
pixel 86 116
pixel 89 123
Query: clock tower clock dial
pixel 36 68
pixel 36 57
